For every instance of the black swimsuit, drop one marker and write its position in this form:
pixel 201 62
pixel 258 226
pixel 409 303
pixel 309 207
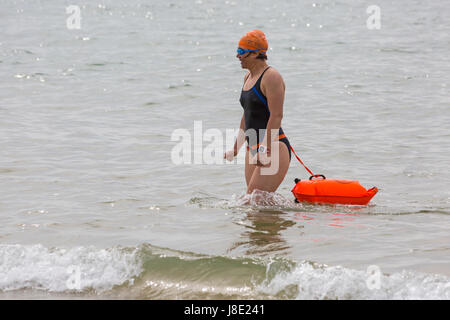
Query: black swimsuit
pixel 256 116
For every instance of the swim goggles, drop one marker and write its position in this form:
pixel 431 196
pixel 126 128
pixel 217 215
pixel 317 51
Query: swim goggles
pixel 241 51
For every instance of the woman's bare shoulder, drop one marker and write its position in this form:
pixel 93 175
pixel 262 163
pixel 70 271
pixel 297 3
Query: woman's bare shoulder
pixel 272 77
pixel 273 74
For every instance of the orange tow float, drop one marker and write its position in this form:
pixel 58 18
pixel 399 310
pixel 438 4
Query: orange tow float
pixel 334 191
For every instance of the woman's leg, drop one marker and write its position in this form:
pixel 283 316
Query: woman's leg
pixel 266 179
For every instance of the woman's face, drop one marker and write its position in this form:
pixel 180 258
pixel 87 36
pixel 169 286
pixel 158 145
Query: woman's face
pixel 246 59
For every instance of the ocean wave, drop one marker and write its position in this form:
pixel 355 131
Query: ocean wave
pixel 309 281
pixel 61 270
pixel 149 272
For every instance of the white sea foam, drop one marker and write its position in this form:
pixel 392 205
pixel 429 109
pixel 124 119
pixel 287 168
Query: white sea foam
pixel 38 267
pixel 260 198
pixel 309 281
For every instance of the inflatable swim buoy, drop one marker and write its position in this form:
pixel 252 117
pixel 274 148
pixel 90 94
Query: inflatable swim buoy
pixel 332 191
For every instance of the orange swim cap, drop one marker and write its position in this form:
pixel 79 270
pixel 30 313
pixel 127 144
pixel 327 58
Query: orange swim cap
pixel 255 39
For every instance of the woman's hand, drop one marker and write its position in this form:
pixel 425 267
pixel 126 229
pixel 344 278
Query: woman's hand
pixel 262 159
pixel 229 155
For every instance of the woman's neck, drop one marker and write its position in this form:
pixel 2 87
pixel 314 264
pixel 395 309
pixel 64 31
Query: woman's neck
pixel 258 67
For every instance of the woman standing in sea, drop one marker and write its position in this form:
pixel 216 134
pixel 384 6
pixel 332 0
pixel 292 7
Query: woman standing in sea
pixel 268 150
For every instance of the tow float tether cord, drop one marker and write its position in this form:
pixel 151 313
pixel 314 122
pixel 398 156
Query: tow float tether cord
pixel 298 158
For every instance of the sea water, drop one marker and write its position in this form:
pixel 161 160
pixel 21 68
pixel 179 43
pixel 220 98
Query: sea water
pixel 94 206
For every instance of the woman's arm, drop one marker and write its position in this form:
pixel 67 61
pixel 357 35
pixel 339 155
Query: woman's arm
pixel 240 139
pixel 273 88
